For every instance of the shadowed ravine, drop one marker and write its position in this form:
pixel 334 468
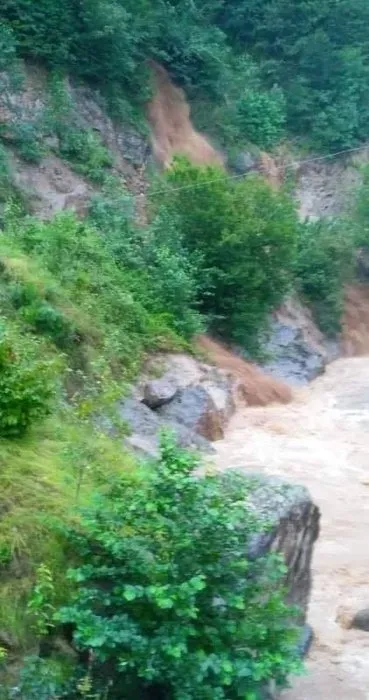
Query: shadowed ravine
pixel 321 440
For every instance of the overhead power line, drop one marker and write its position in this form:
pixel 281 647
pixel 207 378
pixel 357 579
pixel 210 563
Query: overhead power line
pixel 292 164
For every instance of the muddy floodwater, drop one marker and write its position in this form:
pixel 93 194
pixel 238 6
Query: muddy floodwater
pixel 321 440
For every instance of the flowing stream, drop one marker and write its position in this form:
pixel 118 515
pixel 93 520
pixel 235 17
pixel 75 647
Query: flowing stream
pixel 321 440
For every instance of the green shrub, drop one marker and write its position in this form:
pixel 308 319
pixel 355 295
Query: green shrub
pixel 8 50
pixel 5 175
pixel 169 274
pixel 26 385
pixel 325 257
pixel 166 600
pixel 27 136
pixel 82 293
pixel 245 233
pixel 40 679
pixel 86 153
pixel 359 212
pixel 261 116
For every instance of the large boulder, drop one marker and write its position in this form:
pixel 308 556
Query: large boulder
pixel 298 350
pixel 361 620
pixel 190 393
pixel 158 392
pixel 196 408
pixel 293 359
pixel 145 427
pixel 294 528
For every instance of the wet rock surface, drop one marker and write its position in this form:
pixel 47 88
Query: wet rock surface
pixel 297 349
pixel 192 398
pixel 294 528
pixel 195 408
pixel 361 620
pixel 293 359
pixel 145 427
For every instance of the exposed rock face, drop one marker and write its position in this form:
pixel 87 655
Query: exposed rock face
pixel 52 185
pixel 325 188
pixel 295 528
pixel 195 408
pixel 293 358
pixel 146 425
pixel 299 351
pixel 193 399
pixel 244 162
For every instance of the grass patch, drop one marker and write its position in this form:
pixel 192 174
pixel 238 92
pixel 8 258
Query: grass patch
pixel 43 479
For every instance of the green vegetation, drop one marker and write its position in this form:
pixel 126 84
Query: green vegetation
pixel 82 302
pixel 5 176
pixel 25 383
pixel 162 575
pixel 325 262
pixel 260 63
pixel 157 559
pixel 245 234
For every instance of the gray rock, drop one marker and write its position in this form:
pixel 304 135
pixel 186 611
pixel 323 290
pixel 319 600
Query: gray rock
pixel 294 521
pixel 362 264
pixel 361 620
pixel 158 392
pixel 221 391
pixel 305 641
pixel 243 162
pixel 146 426
pixel 293 359
pixel 195 408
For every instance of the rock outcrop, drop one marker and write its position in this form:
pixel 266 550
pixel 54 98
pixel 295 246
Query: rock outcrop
pixel 298 351
pixel 294 528
pixel 145 427
pixel 193 399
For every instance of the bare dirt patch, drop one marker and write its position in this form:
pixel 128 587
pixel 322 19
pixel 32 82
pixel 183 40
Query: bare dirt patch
pixel 254 387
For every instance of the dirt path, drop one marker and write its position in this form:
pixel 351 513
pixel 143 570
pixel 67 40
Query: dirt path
pixel 321 440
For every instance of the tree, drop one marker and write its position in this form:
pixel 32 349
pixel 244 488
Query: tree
pixel 246 233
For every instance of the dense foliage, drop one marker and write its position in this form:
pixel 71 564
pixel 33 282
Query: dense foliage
pixel 26 385
pixel 245 232
pixel 324 263
pixel 166 601
pixel 316 53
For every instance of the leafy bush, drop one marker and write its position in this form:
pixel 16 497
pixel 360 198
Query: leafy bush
pixel 8 51
pixel 158 253
pixel 325 257
pixel 166 600
pixel 26 385
pixel 5 175
pixel 27 135
pixel 261 116
pixel 359 212
pixel 86 153
pixel 85 295
pixel 40 679
pixel 245 233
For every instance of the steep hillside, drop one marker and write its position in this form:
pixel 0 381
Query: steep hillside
pixel 141 217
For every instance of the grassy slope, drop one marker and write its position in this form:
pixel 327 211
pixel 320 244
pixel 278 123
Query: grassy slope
pixel 61 289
